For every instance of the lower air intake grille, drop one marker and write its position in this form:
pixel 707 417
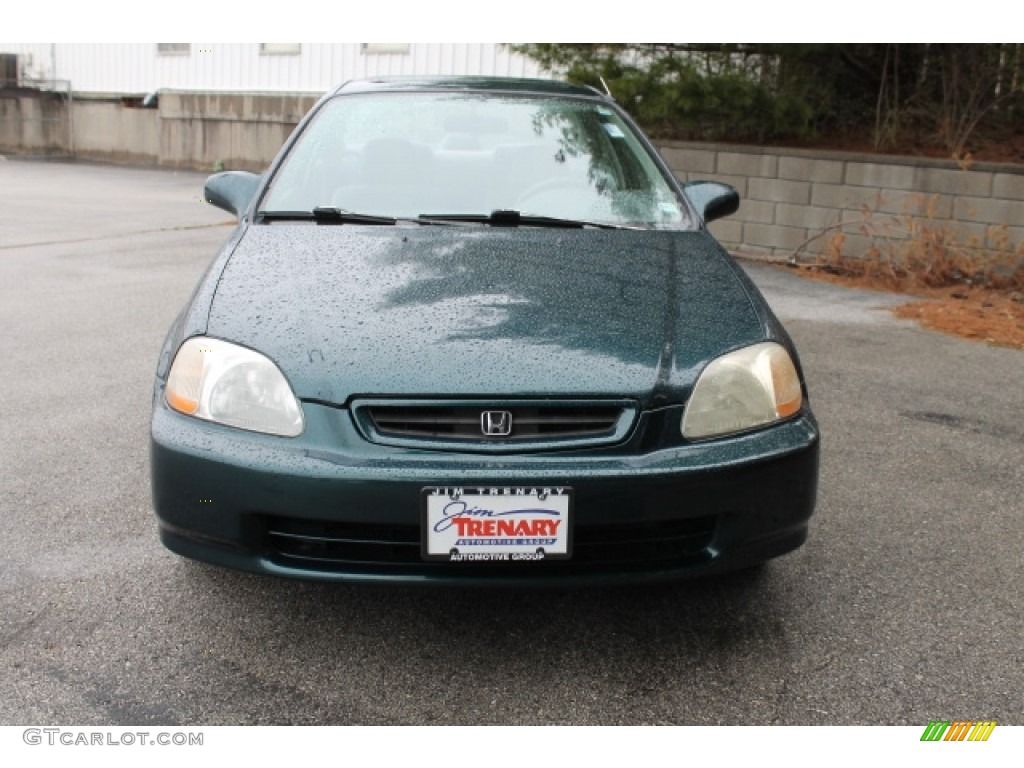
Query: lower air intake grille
pixel 369 548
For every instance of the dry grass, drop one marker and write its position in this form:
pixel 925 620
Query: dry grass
pixel 922 248
pixel 972 285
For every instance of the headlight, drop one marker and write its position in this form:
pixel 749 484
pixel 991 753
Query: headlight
pixel 223 382
pixel 743 389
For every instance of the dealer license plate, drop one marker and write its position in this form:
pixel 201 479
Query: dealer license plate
pixel 514 524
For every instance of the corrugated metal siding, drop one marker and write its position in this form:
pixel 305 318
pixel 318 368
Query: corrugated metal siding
pixel 137 67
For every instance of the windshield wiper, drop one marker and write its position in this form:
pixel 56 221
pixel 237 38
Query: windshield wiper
pixel 325 214
pixel 516 218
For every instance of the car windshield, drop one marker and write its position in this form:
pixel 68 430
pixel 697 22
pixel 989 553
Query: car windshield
pixel 411 154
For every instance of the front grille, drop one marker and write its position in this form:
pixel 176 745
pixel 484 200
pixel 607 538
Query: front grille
pixel 469 422
pixel 370 548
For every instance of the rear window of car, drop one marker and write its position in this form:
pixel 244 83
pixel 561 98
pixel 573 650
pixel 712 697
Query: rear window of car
pixel 406 154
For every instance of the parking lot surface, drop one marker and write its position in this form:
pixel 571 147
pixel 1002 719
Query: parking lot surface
pixel 903 607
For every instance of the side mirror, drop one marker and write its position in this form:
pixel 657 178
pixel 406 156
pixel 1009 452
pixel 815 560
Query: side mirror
pixel 712 199
pixel 232 190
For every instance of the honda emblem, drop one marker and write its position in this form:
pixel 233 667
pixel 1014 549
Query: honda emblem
pixel 496 423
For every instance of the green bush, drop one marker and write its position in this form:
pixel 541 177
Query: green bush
pixel 943 96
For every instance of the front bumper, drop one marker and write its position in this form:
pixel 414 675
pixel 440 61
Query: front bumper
pixel 331 506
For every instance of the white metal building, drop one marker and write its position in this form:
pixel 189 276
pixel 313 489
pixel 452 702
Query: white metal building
pixel 140 68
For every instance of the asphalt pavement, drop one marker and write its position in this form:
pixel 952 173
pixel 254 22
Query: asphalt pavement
pixel 903 607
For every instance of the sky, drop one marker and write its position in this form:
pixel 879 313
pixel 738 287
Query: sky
pixel 521 20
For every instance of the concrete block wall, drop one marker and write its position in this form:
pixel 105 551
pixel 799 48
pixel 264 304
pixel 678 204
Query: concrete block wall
pixel 800 199
pixel 239 131
pixel 790 199
pixel 112 132
pixel 242 131
pixel 32 121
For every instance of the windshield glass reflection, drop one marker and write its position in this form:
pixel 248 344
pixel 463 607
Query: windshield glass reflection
pixel 407 154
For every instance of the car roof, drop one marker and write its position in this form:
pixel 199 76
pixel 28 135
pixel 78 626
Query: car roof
pixel 456 83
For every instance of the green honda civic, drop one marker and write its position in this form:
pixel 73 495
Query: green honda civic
pixel 472 331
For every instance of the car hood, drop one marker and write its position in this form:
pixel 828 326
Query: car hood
pixel 461 311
